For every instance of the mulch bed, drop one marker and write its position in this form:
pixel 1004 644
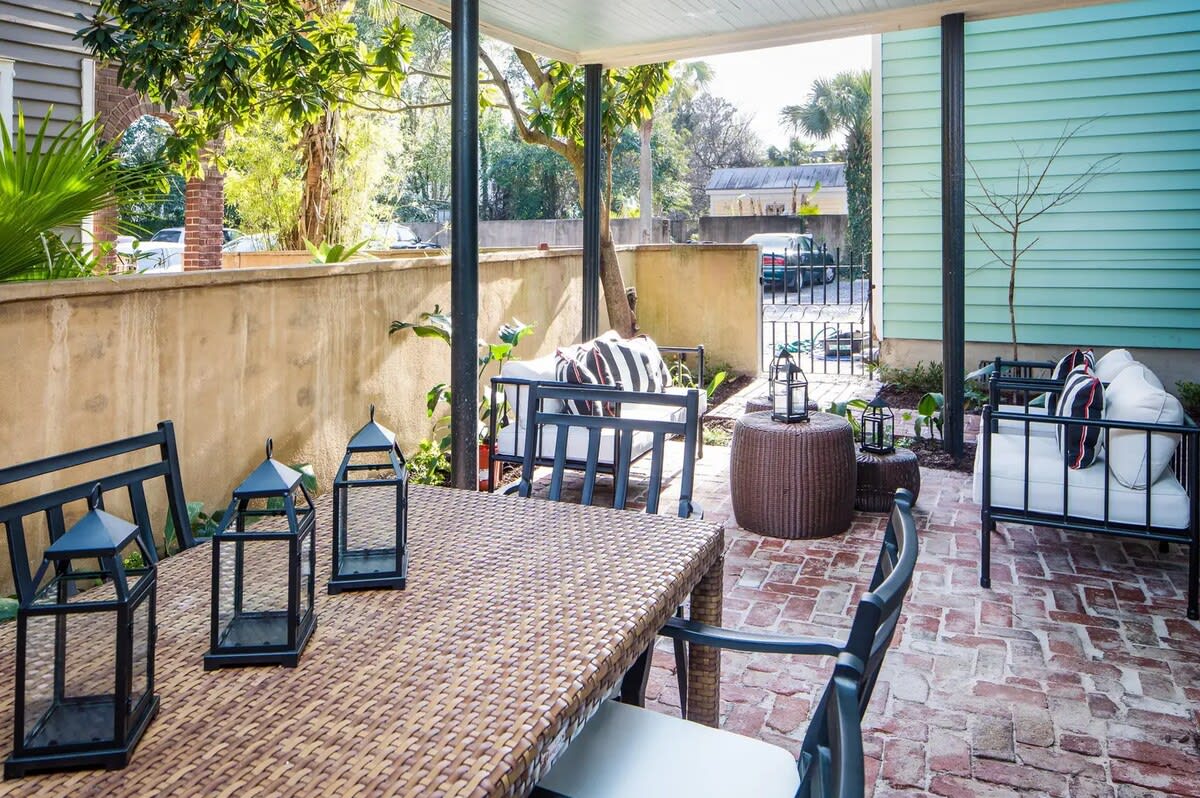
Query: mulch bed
pixel 930 455
pixel 728 388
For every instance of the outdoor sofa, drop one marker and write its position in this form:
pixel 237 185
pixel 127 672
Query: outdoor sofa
pixel 1145 479
pixel 509 426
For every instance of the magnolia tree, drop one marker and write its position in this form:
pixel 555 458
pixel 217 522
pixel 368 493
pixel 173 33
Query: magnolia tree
pixel 220 64
pixel 550 112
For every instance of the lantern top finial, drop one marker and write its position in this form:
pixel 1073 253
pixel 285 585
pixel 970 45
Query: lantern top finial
pixel 373 437
pixel 271 478
pixel 97 534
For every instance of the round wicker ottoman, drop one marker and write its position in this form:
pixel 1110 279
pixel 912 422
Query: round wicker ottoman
pixel 880 474
pixel 792 480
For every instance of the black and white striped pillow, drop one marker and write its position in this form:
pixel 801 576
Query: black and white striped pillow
pixel 576 366
pixel 1075 358
pixel 1082 397
pixel 634 364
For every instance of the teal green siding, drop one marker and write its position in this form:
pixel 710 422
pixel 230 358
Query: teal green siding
pixel 1118 266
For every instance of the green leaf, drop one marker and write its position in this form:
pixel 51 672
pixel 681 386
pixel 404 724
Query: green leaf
pixel 8 608
pixel 715 383
pixel 930 403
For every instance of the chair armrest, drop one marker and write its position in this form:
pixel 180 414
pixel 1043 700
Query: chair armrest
pixel 736 640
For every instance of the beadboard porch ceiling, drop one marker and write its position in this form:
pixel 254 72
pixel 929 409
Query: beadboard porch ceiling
pixel 627 32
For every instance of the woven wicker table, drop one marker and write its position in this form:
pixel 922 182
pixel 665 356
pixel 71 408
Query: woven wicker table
pixel 792 480
pixel 880 474
pixel 520 616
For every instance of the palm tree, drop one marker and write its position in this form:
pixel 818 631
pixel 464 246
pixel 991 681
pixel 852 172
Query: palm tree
pixel 842 104
pixel 689 79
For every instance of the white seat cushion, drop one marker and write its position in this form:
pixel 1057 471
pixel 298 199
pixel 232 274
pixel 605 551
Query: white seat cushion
pixel 1169 501
pixel 1137 395
pixel 626 752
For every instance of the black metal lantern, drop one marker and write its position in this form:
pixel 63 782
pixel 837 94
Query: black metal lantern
pixel 263 565
pixel 878 425
pixel 85 651
pixel 789 389
pixel 368 553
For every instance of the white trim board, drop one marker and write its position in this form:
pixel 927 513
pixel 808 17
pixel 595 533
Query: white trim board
pixel 7 71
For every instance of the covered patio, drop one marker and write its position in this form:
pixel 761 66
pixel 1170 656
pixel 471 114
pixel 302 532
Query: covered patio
pixel 1074 675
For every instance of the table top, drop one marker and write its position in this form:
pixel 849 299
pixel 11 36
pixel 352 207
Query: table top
pixel 520 615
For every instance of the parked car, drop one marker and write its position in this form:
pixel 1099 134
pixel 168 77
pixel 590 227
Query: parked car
pixel 407 239
pixel 790 260
pixel 254 242
pixel 163 251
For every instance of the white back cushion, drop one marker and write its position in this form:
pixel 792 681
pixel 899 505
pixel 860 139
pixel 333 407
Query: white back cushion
pixel 1137 395
pixel 1112 364
pixel 542 368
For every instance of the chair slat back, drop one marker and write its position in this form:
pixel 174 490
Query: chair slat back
pixel 871 632
pixel 132 480
pixel 623 433
pixel 838 769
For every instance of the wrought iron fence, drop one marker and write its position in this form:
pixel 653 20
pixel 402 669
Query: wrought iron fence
pixel 817 304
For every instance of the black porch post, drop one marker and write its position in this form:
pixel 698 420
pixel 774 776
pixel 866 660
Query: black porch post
pixel 464 240
pixel 953 231
pixel 592 179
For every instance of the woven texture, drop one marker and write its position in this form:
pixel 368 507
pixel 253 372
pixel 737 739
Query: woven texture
pixel 760 404
pixel 792 480
pixel 880 474
pixel 519 617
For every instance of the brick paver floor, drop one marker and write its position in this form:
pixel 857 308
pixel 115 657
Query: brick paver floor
pixel 1077 675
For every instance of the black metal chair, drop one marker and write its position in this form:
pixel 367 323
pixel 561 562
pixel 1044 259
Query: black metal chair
pixel 625 433
pixel 626 750
pixel 620 443
pixel 132 480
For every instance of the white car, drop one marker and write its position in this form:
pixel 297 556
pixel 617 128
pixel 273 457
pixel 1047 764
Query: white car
pixel 253 242
pixel 163 252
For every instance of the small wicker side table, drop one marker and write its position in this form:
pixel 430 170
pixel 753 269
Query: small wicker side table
pixel 880 474
pixel 792 481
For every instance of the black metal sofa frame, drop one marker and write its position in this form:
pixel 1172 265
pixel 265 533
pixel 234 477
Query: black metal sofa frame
pixel 1014 380
pixel 518 456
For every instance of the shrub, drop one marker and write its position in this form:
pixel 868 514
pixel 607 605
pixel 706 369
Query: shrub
pixel 1189 395
pixel 922 378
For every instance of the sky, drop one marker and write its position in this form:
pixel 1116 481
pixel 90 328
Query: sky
pixel 761 82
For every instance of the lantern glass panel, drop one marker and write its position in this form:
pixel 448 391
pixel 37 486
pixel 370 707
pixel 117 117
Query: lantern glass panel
pixel 307 577
pixel 253 601
pixel 370 544
pixel 139 685
pixel 69 697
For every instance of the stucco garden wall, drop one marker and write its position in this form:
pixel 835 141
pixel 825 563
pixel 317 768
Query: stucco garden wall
pixel 296 353
pixel 701 293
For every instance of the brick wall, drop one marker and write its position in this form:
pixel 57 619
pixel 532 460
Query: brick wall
pixel 204 206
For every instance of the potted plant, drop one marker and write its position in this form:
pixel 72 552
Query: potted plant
pixel 436 324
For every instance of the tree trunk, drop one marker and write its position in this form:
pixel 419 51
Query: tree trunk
pixel 858 199
pixel 319 147
pixel 616 301
pixel 1012 291
pixel 646 184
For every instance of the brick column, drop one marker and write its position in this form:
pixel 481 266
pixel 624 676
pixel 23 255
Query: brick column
pixel 203 215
